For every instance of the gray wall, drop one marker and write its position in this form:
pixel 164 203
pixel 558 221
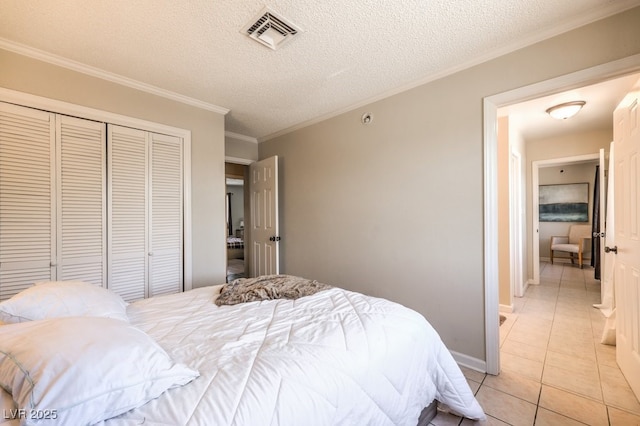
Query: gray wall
pixel 207 143
pixel 237 148
pixel 395 208
pixel 237 205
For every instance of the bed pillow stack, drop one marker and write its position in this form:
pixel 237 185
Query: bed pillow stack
pixel 68 355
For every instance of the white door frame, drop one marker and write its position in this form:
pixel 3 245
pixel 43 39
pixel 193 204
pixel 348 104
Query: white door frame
pixel 535 201
pixel 490 119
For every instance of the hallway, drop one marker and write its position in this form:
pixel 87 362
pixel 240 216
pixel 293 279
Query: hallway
pixel 554 370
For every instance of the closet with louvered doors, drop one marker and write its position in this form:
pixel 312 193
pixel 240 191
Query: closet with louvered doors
pixel 145 181
pixel 52 199
pixel 86 200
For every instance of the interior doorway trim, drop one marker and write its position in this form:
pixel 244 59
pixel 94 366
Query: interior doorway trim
pixel 491 104
pixel 535 218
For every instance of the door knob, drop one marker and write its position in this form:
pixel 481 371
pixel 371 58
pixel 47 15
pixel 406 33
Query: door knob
pixel 613 249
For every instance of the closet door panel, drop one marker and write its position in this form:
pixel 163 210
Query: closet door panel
pixel 82 200
pixel 27 209
pixel 166 267
pixel 128 183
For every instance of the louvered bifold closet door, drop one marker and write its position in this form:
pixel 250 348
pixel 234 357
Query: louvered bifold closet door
pixel 166 273
pixel 82 241
pixel 27 156
pixel 127 194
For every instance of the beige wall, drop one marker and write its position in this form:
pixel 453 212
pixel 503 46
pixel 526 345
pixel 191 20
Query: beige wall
pixel 207 136
pixel 395 208
pixel 510 142
pixel 517 146
pixel 504 243
pixel 237 148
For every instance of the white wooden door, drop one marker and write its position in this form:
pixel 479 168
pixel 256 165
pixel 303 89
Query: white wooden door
pixel 146 213
pixel 27 198
pixel 627 237
pixel 265 240
pixel 128 225
pixel 165 221
pixel 81 200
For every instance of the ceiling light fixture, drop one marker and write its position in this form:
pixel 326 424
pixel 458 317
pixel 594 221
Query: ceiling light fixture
pixel 565 110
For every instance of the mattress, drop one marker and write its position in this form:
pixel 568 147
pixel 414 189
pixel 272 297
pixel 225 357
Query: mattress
pixel 334 358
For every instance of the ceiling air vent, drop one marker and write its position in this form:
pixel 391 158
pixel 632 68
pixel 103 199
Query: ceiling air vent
pixel 270 29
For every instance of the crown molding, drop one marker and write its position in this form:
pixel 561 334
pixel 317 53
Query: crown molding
pixel 240 137
pixel 40 55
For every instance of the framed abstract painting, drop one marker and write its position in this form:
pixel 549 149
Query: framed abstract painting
pixel 564 202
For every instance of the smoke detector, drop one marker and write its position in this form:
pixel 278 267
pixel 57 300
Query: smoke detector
pixel 270 29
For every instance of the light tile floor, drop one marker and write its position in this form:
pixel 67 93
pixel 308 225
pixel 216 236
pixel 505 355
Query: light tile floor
pixel 554 370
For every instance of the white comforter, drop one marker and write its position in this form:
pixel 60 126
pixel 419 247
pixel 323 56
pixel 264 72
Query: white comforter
pixel 334 358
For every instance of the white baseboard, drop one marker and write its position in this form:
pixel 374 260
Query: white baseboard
pixel 469 362
pixel 563 259
pixel 506 308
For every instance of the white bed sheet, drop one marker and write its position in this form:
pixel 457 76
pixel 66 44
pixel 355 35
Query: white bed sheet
pixel 334 358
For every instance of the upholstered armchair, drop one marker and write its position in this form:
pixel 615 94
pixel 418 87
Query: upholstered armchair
pixel 574 244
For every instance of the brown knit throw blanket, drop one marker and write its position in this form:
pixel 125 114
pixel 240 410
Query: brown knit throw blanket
pixel 268 287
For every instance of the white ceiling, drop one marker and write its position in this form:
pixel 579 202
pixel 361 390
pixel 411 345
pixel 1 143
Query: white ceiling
pixel 348 53
pixel 532 122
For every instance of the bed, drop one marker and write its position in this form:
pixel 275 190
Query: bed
pixel 331 358
pixel 235 248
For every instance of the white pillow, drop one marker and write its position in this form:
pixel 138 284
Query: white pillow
pixel 82 370
pixel 63 299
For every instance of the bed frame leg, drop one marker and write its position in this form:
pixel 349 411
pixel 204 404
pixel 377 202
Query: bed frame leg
pixel 428 413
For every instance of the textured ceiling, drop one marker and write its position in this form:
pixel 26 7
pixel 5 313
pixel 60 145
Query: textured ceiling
pixel 349 52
